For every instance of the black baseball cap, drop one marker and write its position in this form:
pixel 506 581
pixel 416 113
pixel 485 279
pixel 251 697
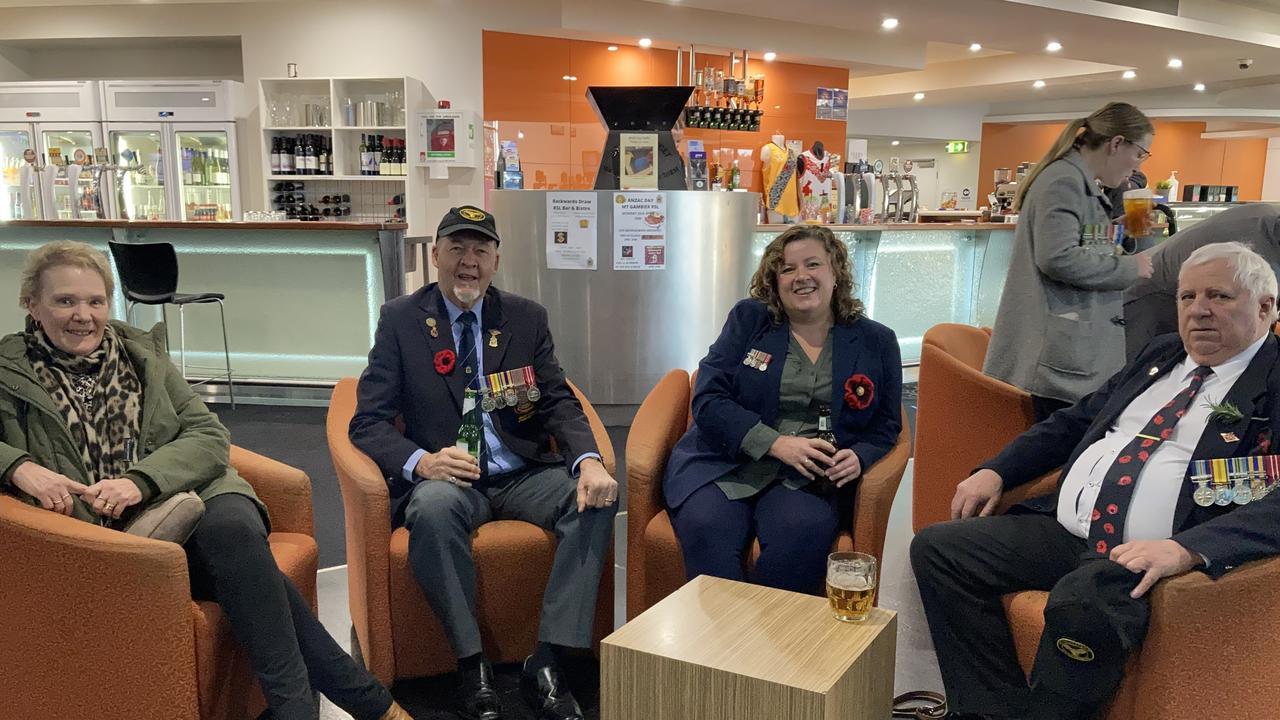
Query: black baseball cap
pixel 468 217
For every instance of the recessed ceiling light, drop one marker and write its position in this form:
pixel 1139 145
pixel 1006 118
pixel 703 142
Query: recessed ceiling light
pixel 1199 87
pixel 613 48
pixel 770 56
pixel 1129 75
pixel 777 107
pixel 896 143
pixel 520 135
pixel 645 42
pixel 1037 84
pixel 889 23
pixel 975 47
pixel 1053 46
pixel 1175 63
pixel 918 97
pixel 204 99
pixel 570 78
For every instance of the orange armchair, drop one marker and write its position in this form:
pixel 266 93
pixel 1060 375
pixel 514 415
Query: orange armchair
pixel 1204 653
pixel 101 624
pixel 655 565
pixel 963 417
pixel 398 634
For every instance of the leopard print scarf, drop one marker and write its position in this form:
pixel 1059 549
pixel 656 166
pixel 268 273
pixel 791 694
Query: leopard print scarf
pixel 98 395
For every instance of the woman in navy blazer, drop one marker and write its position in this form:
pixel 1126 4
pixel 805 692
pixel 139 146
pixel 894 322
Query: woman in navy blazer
pixel 801 311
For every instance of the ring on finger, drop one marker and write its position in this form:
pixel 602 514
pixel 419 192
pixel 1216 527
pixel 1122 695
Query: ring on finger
pixel 453 480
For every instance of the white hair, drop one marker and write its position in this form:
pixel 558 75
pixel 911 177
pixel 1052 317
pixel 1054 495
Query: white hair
pixel 1253 272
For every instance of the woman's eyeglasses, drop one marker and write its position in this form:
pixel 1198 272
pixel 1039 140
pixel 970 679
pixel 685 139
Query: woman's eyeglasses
pixel 1143 153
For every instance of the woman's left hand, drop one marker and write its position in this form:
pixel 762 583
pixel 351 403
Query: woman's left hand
pixel 110 498
pixel 847 467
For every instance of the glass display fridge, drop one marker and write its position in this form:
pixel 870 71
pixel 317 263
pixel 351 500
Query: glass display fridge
pixel 42 117
pixel 174 171
pixel 175 147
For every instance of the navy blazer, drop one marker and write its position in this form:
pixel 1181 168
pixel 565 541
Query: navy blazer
pixel 401 382
pixel 730 398
pixel 1228 536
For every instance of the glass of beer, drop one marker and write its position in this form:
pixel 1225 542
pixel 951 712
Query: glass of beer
pixel 851 585
pixel 1138 206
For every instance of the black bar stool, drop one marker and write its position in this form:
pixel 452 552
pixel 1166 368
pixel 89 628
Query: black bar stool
pixel 149 276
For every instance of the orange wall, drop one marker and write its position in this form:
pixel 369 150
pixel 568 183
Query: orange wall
pixel 524 91
pixel 1177 146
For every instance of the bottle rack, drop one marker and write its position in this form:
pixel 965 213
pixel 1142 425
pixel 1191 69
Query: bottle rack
pixel 354 201
pixel 341 110
pixel 723 118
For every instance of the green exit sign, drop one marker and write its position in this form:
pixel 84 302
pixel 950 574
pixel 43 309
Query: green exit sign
pixel 958 146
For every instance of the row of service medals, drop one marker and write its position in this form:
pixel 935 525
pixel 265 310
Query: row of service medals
pixel 508 389
pixel 1239 480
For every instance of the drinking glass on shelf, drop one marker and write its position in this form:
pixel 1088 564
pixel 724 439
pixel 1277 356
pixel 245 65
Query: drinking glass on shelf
pixel 851 585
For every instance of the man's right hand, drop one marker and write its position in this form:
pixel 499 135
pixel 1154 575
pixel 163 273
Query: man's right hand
pixel 449 465
pixel 53 490
pixel 977 495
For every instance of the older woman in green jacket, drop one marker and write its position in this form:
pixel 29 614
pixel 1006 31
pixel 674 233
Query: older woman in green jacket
pixel 97 424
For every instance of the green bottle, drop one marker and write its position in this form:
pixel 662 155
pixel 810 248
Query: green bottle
pixel 471 432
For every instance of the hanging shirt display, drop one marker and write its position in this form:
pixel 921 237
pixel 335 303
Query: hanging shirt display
pixel 780 181
pixel 815 187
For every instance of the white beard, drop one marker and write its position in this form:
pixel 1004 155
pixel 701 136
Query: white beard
pixel 467 295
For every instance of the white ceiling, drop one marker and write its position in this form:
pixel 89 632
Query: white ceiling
pixel 928 52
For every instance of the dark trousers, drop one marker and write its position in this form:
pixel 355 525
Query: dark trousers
pixel 1043 407
pixel 963 567
pixel 230 562
pixel 442 517
pixel 795 529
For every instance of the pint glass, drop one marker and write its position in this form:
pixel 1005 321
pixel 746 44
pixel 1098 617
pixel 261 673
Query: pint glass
pixel 851 585
pixel 1138 206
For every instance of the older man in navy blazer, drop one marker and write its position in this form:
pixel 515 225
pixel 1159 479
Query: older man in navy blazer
pixel 754 461
pixel 1128 510
pixel 430 346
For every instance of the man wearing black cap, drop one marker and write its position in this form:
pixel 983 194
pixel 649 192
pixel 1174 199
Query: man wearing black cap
pixel 458 334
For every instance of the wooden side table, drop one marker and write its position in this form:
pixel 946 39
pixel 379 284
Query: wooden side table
pixel 722 650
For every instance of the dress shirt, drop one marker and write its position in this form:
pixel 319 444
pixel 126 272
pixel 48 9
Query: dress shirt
pixel 1159 484
pixel 501 458
pixel 805 387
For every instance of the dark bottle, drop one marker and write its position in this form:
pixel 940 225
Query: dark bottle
pixel 825 433
pixel 366 157
pixel 275 156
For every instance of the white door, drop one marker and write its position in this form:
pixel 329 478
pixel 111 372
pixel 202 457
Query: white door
pixel 206 171
pixel 926 172
pixel 66 198
pixel 19 181
pixel 139 188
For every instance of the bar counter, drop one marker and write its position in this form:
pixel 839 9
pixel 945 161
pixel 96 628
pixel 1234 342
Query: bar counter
pixel 912 276
pixel 302 298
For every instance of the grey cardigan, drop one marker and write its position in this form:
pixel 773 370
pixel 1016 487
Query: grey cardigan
pixel 1057 333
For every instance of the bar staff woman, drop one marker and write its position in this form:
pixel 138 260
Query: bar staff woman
pixel 1058 333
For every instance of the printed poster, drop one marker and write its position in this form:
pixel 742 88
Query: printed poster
pixel 840 105
pixel 571 231
pixel 639 231
pixel 824 103
pixel 638 158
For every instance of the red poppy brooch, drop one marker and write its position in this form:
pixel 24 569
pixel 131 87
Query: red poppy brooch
pixel 859 391
pixel 445 360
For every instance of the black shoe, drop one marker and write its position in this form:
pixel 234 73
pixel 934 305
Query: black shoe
pixel 478 700
pixel 548 695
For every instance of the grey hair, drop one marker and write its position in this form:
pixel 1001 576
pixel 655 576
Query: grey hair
pixel 1253 272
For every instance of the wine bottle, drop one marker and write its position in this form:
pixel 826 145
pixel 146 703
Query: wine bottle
pixel 376 148
pixel 400 157
pixel 197 168
pixel 366 157
pixel 324 157
pixel 286 156
pixel 275 156
pixel 384 160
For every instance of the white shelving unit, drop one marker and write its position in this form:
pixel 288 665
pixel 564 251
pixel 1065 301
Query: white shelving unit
pixel 288 104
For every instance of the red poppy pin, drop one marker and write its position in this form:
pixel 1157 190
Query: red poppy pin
pixel 859 391
pixel 445 360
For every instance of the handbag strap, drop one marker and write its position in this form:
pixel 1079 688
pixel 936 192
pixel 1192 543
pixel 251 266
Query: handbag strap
pixel 920 705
